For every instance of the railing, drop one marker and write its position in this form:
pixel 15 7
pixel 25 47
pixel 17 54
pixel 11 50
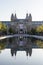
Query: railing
pixel 21 35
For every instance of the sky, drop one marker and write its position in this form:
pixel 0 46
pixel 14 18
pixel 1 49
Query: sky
pixel 21 7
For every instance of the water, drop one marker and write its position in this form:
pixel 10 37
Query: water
pixel 21 51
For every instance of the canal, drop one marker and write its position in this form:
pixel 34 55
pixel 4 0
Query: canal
pixel 21 51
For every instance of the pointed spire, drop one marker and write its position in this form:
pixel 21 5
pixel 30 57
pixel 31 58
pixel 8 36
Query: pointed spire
pixel 30 17
pixel 12 17
pixel 15 17
pixel 15 52
pixel 26 53
pixel 27 16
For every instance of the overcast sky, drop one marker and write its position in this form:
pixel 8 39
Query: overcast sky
pixel 21 7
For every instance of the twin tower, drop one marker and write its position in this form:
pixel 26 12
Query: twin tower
pixel 14 17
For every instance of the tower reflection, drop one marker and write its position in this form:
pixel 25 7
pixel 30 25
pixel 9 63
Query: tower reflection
pixel 21 44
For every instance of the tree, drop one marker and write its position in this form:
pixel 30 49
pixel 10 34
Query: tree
pixel 33 31
pixel 39 28
pixel 10 30
pixel 39 43
pixel 3 28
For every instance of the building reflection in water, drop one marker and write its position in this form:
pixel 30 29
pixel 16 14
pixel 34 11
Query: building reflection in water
pixel 20 44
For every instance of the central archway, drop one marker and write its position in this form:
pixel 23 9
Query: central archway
pixel 21 28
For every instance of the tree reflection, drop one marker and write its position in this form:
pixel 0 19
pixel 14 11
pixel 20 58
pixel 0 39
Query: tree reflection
pixel 39 43
pixel 2 45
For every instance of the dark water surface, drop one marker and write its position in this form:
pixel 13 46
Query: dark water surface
pixel 21 51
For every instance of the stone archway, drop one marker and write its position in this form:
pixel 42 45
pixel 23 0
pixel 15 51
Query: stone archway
pixel 21 28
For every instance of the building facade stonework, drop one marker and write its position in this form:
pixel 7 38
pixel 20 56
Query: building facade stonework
pixel 21 25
